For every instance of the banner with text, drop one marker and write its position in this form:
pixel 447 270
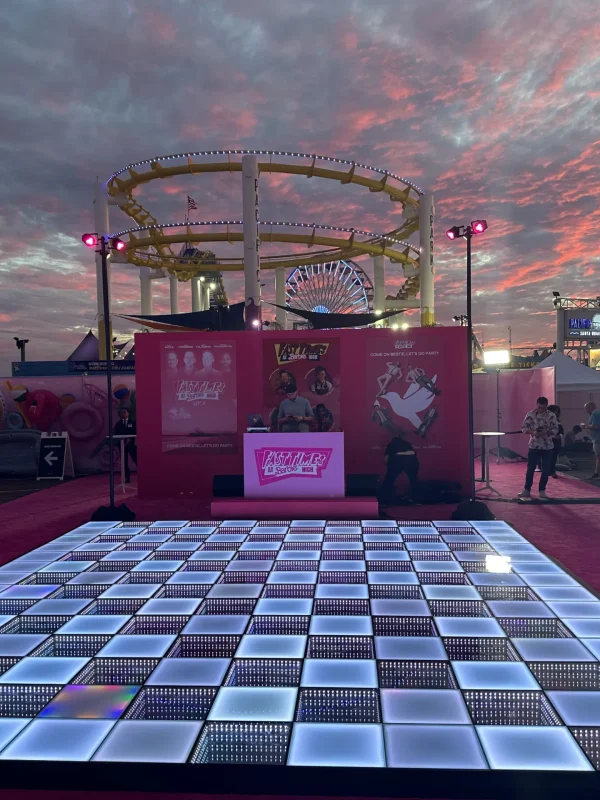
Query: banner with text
pixel 199 410
pixel 314 369
pixel 415 391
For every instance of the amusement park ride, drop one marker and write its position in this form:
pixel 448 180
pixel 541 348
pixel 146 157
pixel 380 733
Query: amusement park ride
pixel 325 279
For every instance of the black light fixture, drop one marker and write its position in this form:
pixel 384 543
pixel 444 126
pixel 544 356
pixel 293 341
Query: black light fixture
pixel 103 245
pixel 20 343
pixel 467 232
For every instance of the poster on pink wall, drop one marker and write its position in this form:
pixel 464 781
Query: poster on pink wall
pixel 314 369
pixel 199 407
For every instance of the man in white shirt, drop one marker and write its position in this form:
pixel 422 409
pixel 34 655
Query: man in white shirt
pixel 542 427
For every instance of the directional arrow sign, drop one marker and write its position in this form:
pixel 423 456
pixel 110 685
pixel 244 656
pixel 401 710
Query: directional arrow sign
pixel 51 462
pixel 50 458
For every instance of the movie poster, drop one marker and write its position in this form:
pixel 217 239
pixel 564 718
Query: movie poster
pixel 408 388
pixel 199 410
pixel 313 368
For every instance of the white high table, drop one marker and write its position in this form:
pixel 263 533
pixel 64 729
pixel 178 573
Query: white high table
pixel 485 437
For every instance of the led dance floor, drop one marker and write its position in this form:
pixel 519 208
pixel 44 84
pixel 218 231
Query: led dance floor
pixel 429 646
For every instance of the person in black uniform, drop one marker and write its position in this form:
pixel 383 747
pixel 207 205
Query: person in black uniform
pixel 399 457
pixel 126 427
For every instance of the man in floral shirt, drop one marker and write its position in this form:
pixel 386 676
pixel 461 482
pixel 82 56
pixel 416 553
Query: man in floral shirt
pixel 542 427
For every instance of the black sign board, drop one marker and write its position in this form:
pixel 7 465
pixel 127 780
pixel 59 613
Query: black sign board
pixel 55 455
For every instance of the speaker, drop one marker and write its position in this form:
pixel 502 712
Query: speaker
pixel 228 486
pixel 473 510
pixel 366 485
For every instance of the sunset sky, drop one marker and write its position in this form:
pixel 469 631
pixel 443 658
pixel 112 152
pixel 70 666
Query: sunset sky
pixel 492 104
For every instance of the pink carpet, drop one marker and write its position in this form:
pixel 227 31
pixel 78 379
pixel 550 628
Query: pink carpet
pixel 508 479
pixel 569 533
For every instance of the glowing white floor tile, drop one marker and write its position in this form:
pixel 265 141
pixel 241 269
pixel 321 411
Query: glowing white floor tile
pixel 340 673
pixel 136 646
pixel 378 523
pixel 28 592
pixel 292 577
pixel 548 579
pixel 593 645
pixel 341 626
pixel 308 523
pixel 44 670
pixel 324 744
pixel 520 608
pixel 387 555
pixel 566 593
pixel 149 741
pixel 343 591
pixel 495 579
pixel 94 624
pixel 584 628
pixel 493 675
pixel 468 626
pixel 534 568
pixel 197 576
pixel 342 546
pixel 168 523
pixel 246 703
pixel 298 555
pixel 342 566
pixel 531 748
pixel 355 529
pixel 433 747
pixel 381 537
pixel 180 606
pixel 96 578
pixel 9 728
pixel 20 644
pixel 578 610
pixel 552 650
pixel 437 566
pixel 400 608
pixel 393 577
pixel 266 646
pixel 410 648
pixel 304 537
pixel 217 624
pixel 426 706
pixel 231 590
pixel 58 740
pixel 238 523
pixel 251 565
pixel 158 566
pixel 433 592
pixel 211 555
pixel 430 546
pixel 58 607
pixel 138 591
pixel 189 672
pixel 286 606
pixel 260 546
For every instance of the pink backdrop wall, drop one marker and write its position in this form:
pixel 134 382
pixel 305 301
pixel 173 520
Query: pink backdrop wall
pixel 441 352
pixel 517 391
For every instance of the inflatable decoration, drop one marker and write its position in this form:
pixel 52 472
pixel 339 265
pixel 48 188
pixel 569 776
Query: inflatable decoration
pixel 82 421
pixel 42 408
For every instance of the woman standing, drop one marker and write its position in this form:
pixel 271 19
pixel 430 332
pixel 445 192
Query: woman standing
pixel 557 441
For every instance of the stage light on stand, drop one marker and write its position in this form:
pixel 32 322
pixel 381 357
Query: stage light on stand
pixel 404 326
pixel 467 232
pixel 395 326
pixel 255 323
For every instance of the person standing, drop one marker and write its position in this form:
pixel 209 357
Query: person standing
pixel 593 426
pixel 542 427
pixel 557 441
pixel 126 427
pixel 399 457
pixel 295 412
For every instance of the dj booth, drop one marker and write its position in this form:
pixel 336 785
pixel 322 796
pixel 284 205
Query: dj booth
pixel 295 465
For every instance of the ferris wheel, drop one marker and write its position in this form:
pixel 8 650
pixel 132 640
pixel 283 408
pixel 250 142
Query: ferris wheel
pixel 336 287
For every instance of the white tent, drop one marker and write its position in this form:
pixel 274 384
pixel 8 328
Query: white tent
pixel 576 385
pixel 571 375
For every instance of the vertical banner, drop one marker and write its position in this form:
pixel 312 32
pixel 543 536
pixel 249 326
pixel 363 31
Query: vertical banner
pixel 199 410
pixel 314 369
pixel 416 388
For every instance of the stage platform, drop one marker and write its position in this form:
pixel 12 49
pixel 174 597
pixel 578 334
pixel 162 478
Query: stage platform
pixel 215 654
pixel 296 507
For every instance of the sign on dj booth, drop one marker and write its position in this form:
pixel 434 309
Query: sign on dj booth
pixel 294 465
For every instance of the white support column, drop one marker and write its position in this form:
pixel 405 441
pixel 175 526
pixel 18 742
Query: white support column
pixel 206 296
pixel 251 241
pixel 560 329
pixel 196 294
pixel 146 291
pixel 379 283
pixel 427 267
pixel 101 228
pixel 174 294
pixel 281 315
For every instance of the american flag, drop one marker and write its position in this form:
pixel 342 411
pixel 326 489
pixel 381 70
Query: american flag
pixel 192 204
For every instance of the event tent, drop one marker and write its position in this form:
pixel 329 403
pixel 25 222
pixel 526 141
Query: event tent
pixel 570 374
